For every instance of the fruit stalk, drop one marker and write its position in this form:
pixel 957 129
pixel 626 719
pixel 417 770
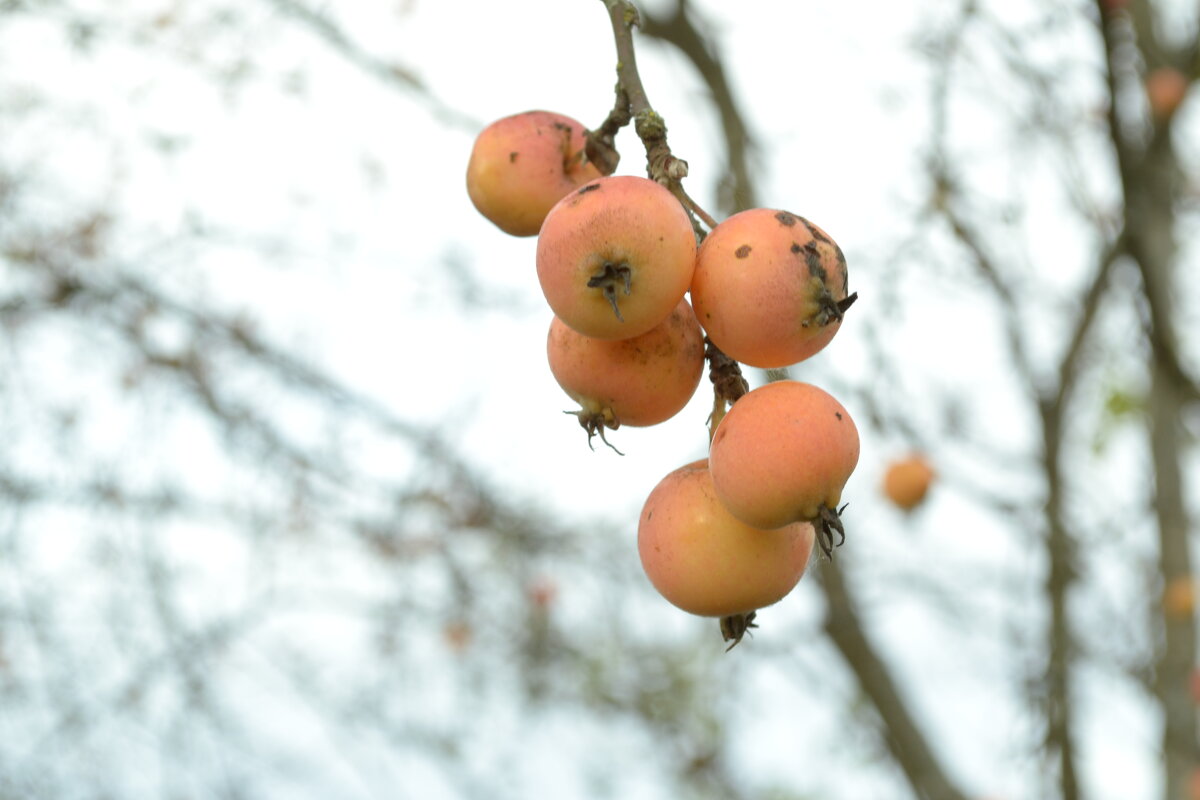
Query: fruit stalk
pixel 661 165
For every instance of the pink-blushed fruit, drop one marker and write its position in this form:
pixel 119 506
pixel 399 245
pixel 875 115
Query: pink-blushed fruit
pixel 1179 597
pixel 522 165
pixel 637 382
pixel 1166 89
pixel 457 634
pixel 543 593
pixel 770 287
pixel 704 561
pixel 615 256
pixel 907 480
pixel 782 454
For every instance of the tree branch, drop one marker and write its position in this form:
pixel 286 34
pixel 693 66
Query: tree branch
pixel 989 269
pixel 1060 544
pixel 901 733
pixel 1148 179
pixel 391 73
pixel 661 165
pixel 737 187
pixel 842 624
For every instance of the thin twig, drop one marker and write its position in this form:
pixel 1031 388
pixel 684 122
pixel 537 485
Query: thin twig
pixel 901 732
pixel 661 164
pixel 737 191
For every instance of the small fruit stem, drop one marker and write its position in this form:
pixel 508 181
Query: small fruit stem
pixel 661 165
pixel 624 15
pixel 831 310
pixel 689 203
pixel 594 422
pixel 609 279
pixel 828 521
pixel 728 383
pixel 718 414
pixel 736 626
pixel 601 147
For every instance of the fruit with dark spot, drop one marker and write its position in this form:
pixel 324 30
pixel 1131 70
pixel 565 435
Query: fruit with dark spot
pixel 770 287
pixel 615 257
pixel 522 165
pixel 783 454
pixel 708 563
pixel 637 382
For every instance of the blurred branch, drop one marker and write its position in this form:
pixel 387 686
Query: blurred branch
pixel 1154 256
pixel 661 164
pixel 736 188
pixel 1055 694
pixel 947 199
pixel 1089 306
pixel 842 624
pixel 1061 548
pixel 1056 682
pixel 389 72
pixel 901 733
pixel 1062 572
pixel 1149 179
pixel 1176 664
pixel 1142 14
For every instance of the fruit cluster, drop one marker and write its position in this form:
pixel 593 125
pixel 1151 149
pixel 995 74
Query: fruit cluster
pixel 617 258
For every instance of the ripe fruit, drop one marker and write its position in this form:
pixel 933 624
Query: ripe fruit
pixel 907 480
pixel 457 635
pixel 782 454
pixel 1166 88
pixel 640 381
pixel 615 256
pixel 770 287
pixel 1179 597
pixel 542 593
pixel 706 562
pixel 522 165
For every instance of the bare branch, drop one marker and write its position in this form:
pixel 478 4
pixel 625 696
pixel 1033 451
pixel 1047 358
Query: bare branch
pixel 389 72
pixel 737 187
pixel 989 268
pixel 1060 545
pixel 661 165
pixel 901 732
pixel 1149 176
